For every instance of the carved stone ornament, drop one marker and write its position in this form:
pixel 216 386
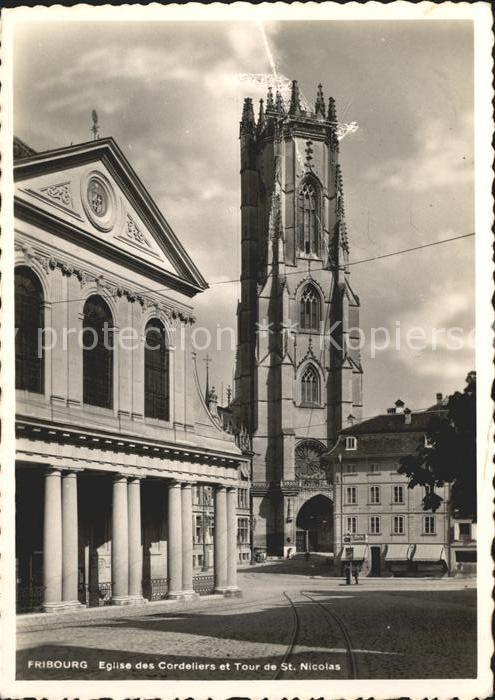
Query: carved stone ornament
pixel 99 200
pixel 308 455
pixel 49 263
pixel 61 193
pixel 135 235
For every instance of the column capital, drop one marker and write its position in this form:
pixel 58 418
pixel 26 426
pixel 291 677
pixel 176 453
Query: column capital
pixel 231 488
pixel 135 477
pixel 53 471
pixel 119 477
pixel 188 484
pixel 174 484
pixel 71 471
pixel 219 487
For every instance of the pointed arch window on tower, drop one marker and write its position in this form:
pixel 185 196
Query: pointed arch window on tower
pixel 309 309
pixel 308 219
pixel 310 387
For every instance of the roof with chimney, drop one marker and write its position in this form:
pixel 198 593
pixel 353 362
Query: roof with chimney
pixel 399 420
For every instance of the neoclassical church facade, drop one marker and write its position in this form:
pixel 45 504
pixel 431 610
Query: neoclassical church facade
pixel 298 378
pixel 127 488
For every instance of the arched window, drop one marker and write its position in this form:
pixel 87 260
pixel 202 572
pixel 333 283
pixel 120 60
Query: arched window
pixel 97 353
pixel 29 322
pixel 308 218
pixel 310 386
pixel 156 372
pixel 309 309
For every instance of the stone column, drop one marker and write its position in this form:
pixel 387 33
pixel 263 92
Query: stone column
pixel 52 542
pixel 220 540
pixel 120 542
pixel 135 547
pixel 70 541
pixel 174 559
pixel 232 588
pixel 187 541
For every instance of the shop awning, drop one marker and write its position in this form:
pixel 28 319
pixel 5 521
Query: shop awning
pixel 358 552
pixel 398 552
pixel 429 552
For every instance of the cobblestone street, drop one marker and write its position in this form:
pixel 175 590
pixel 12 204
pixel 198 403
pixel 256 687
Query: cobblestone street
pixel 287 625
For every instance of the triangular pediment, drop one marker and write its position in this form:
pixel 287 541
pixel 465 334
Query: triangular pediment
pixel 94 191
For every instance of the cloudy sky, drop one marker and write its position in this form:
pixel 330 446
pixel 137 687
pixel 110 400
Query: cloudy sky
pixel 171 96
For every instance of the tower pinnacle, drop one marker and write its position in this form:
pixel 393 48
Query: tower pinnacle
pixel 320 102
pixel 295 100
pixel 247 121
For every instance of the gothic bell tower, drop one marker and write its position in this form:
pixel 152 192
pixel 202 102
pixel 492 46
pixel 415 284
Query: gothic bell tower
pixel 298 373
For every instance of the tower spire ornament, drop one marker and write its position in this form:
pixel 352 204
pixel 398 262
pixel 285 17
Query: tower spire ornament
pixel 95 128
pixel 295 100
pixel 269 98
pixel 261 117
pixel 332 112
pixel 279 103
pixel 320 102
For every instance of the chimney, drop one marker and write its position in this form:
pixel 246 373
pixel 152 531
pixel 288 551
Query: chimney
pixel 407 416
pixel 350 419
pixel 439 399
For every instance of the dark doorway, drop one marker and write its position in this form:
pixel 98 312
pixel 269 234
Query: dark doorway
pixel 301 541
pixel 375 561
pixel 314 524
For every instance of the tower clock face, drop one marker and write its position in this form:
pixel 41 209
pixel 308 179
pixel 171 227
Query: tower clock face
pixel 308 466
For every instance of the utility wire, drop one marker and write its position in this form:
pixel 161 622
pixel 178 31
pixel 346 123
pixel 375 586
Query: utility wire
pixel 314 269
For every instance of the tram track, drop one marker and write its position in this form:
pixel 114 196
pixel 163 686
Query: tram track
pixel 333 620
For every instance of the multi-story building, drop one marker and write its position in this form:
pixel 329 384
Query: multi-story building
pixel 113 433
pixel 380 523
pixel 294 388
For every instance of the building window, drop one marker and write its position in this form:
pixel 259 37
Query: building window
pixel 310 387
pixel 398 525
pixel 351 495
pixel 352 525
pixel 465 531
pixel 428 441
pixel 156 372
pixel 429 525
pixel 242 498
pixel 398 494
pixel 350 443
pixel 242 530
pixel 373 468
pixel 375 525
pixel 198 529
pixel 308 219
pixel 374 494
pixel 350 468
pixel 29 321
pixel 309 309
pixel 97 353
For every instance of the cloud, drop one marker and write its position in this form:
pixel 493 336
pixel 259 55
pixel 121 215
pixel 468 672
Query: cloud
pixel 443 158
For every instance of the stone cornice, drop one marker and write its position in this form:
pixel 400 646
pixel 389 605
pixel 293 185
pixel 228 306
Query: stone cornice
pixel 30 213
pixel 51 262
pixel 32 430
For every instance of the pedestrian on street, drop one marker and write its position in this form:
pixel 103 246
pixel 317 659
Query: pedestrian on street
pixel 356 574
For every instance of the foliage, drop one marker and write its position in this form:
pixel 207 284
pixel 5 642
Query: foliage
pixel 450 456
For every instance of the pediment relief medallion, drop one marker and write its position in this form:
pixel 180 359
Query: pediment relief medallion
pixel 99 200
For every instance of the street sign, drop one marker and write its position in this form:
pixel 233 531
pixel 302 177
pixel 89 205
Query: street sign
pixel 354 538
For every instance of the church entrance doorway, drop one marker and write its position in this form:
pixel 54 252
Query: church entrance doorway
pixel 314 525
